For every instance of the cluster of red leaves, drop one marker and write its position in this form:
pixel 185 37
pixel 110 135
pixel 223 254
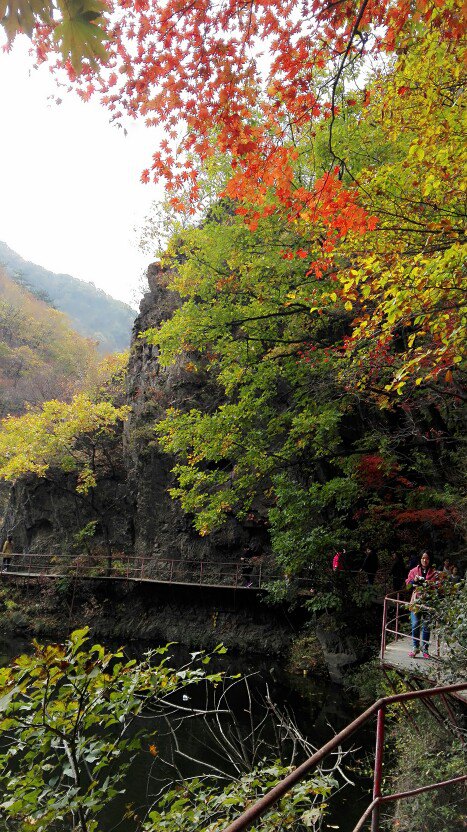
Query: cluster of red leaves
pixel 199 64
pixel 435 517
pixel 197 69
pixel 372 471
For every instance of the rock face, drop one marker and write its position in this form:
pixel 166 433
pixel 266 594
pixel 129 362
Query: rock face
pixel 338 650
pixel 135 509
pixel 161 529
pixel 43 516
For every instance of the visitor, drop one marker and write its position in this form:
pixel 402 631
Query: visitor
pixel 447 566
pixel 398 571
pixel 370 564
pixel 417 578
pixel 7 552
pixel 414 561
pixel 338 561
pixel 454 574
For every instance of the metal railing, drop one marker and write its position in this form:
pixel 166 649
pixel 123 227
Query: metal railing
pixel 393 625
pixel 234 575
pixel 378 709
pixel 246 574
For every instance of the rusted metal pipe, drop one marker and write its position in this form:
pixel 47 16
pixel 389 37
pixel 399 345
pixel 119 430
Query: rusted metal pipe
pixel 366 814
pixel 250 815
pixel 401 795
pixel 264 803
pixel 383 628
pixel 431 787
pixel 378 773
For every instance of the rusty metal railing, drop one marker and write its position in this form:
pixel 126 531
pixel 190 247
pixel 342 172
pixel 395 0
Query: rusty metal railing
pixel 392 625
pixel 231 574
pixel 239 574
pixel 378 709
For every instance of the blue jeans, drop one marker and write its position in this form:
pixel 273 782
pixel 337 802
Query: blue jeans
pixel 420 620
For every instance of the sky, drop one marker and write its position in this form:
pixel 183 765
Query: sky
pixel 71 197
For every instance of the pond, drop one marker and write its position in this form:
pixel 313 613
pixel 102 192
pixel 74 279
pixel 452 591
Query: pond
pixel 319 710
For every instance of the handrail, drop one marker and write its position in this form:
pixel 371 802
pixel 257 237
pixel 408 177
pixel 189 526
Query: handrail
pixel 192 572
pixel 252 813
pixel 395 600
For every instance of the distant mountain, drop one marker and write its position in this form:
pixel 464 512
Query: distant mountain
pixel 91 311
pixel 41 356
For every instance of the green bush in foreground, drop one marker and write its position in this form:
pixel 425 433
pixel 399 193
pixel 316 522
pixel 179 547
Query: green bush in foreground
pixel 69 731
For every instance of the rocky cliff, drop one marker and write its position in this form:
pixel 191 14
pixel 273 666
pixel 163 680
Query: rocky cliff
pixel 161 529
pixel 133 503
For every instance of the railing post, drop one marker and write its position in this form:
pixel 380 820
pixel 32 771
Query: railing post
pixel 201 571
pixel 378 775
pixel 383 629
pixel 171 571
pixel 397 617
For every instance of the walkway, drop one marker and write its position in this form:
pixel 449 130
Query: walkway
pixel 396 643
pixel 395 646
pixel 225 575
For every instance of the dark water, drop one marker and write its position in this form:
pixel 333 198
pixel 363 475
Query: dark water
pixel 319 709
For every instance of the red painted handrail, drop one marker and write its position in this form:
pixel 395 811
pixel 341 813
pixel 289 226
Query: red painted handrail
pixel 255 811
pixel 270 798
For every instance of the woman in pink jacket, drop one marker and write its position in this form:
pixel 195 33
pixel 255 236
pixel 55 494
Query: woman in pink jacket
pixel 417 577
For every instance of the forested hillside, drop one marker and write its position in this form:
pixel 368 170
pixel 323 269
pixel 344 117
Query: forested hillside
pixel 41 356
pixel 92 312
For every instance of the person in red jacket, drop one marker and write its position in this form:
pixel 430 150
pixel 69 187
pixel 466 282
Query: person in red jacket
pixel 338 561
pixel 417 578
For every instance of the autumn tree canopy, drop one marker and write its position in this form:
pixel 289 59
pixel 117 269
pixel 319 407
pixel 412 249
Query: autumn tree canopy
pixel 319 154
pixel 343 119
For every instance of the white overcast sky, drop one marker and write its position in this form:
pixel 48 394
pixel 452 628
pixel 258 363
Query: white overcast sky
pixel 71 196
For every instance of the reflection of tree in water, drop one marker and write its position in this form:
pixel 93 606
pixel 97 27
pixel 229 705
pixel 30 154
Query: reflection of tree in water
pixel 233 746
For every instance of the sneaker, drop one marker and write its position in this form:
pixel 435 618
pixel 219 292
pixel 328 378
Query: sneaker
pixel 414 653
pixel 426 655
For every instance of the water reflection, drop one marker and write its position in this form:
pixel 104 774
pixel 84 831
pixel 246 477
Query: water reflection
pixel 318 708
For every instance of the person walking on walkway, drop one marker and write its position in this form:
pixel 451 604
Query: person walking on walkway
pixel 417 578
pixel 398 571
pixel 370 564
pixel 7 551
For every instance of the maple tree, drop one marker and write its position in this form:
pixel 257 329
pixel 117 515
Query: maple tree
pixel 334 275
pixel 268 85
pixel 331 469
pixel 78 26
